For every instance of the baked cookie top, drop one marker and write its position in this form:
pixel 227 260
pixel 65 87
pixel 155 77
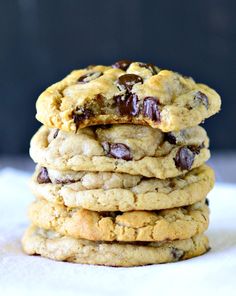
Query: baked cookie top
pixel 171 224
pixel 64 248
pixel 107 191
pixel 126 92
pixel 124 148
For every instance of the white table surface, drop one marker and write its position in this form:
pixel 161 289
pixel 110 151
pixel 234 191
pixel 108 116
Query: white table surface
pixel 211 274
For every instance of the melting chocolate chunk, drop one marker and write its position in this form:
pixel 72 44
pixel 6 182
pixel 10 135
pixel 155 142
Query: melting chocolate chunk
pixel 150 67
pixel 169 137
pixel 127 81
pixel 123 64
pixel 78 118
pixel 177 253
pixel 127 105
pixel 184 158
pixel 200 97
pixel 117 150
pixel 207 202
pixel 43 177
pixel 150 109
pixel 89 76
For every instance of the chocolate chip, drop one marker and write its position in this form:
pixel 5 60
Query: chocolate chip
pixel 127 81
pixel 99 99
pixel 177 253
pixel 127 105
pixel 169 137
pixel 207 202
pixel 150 67
pixel 65 181
pixel 78 118
pixel 150 109
pixel 117 150
pixel 89 76
pixel 55 133
pixel 123 64
pixel 200 97
pixel 196 149
pixel 43 177
pixel 184 158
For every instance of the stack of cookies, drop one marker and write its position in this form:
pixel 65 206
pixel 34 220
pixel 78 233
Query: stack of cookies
pixel 120 177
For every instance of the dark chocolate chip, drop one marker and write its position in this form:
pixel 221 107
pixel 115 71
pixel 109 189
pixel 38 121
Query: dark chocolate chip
pixel 43 177
pixel 202 98
pixel 207 202
pixel 196 149
pixel 89 76
pixel 99 99
pixel 127 105
pixel 65 181
pixel 150 67
pixel 177 253
pixel 169 137
pixel 78 118
pixel 150 109
pixel 127 81
pixel 55 133
pixel 184 158
pixel 117 150
pixel 123 64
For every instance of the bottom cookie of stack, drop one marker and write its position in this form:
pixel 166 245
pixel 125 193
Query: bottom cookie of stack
pixel 50 244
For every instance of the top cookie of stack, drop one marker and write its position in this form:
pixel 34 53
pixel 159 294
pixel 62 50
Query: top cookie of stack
pixel 126 92
pixel 121 138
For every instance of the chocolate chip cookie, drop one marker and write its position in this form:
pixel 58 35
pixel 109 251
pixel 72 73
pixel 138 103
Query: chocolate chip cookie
pixel 37 241
pixel 171 224
pixel 126 92
pixel 106 191
pixel 123 148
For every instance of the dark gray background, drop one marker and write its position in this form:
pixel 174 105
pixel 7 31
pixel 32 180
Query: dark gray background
pixel 42 40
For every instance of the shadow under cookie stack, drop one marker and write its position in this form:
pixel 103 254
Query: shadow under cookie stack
pixel 121 178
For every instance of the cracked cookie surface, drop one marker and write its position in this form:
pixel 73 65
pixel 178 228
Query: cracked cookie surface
pixel 172 224
pixel 51 245
pixel 131 149
pixel 106 191
pixel 136 93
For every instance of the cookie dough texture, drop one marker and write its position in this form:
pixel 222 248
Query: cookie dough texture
pixel 172 224
pixel 104 94
pixel 105 191
pixel 64 248
pixel 150 152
